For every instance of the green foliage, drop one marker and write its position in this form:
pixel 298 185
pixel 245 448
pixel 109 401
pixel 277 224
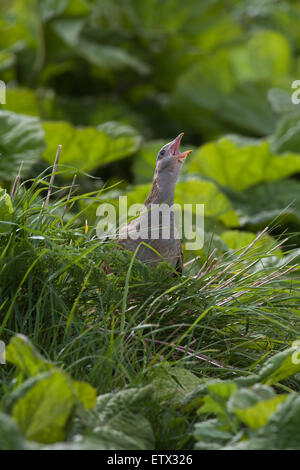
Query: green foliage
pixel 11 437
pixel 98 146
pixel 6 211
pixel 42 407
pixel 116 421
pixel 140 358
pixel 271 420
pixel 22 140
pixel 239 163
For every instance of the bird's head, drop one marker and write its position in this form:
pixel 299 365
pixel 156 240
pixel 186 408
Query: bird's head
pixel 170 160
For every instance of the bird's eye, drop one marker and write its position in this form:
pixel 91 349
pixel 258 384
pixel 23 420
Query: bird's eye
pixel 162 152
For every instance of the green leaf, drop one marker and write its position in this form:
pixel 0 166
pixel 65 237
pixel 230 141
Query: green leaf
pixel 10 435
pixel 88 148
pixel 25 357
pixel 281 366
pixel 21 139
pixel 286 136
pixel 228 89
pixel 210 435
pixel 102 55
pixel 173 384
pixel 240 163
pixel 42 405
pixel 110 57
pixel 257 416
pixel 248 397
pixel 262 203
pixel 86 394
pixel 11 399
pixel 51 8
pixel 6 211
pixel 280 101
pixel 77 8
pixel 238 240
pixel 254 406
pixel 216 399
pixel 117 423
pixel 68 29
pixel 22 100
pixel 281 431
pixel 43 412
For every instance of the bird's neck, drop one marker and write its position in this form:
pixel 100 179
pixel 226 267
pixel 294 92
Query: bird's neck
pixel 162 191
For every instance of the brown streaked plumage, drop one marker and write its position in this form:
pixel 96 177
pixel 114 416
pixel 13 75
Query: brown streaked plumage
pixel 168 165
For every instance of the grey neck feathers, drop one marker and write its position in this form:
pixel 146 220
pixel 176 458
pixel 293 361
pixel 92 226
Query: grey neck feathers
pixel 163 188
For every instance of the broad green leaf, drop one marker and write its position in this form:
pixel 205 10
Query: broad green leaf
pixel 239 163
pixel 115 130
pixel 281 366
pixel 210 435
pixel 110 57
pixel 16 30
pixel 87 111
pixel 248 397
pixel 43 412
pixel 174 383
pixel 102 55
pixel 21 352
pixel 51 8
pixel 6 211
pixel 216 400
pixel 238 240
pixel 281 431
pixel 257 416
pixel 68 29
pixel 117 423
pixel 227 89
pixel 86 394
pixel 265 202
pixel 216 205
pixel 11 399
pixel 10 435
pixel 43 403
pixel 21 140
pixel 286 136
pixel 281 101
pixel 77 8
pixel 87 148
pixel 254 406
pixel 22 100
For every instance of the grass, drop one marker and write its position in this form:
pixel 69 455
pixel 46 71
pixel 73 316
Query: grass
pixel 222 318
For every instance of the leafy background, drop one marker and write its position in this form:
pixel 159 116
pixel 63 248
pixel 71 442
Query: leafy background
pixel 112 81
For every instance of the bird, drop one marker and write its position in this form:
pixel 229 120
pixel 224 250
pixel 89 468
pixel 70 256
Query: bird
pixel 153 232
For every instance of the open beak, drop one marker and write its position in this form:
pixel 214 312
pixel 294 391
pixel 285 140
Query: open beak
pixel 183 155
pixel 175 148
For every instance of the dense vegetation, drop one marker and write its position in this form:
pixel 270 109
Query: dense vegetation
pixel 142 358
